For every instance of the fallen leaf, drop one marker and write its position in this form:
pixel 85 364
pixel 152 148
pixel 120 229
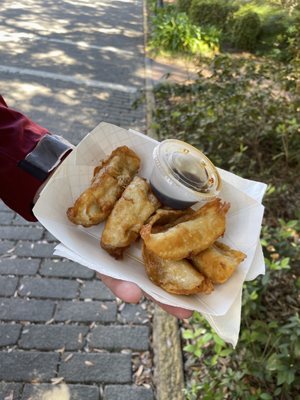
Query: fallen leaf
pixel 56 381
pixel 62 350
pixel 80 338
pixel 69 356
pixel 10 396
pixel 89 363
pixel 139 371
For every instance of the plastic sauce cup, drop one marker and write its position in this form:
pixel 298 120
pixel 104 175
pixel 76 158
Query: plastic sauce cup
pixel 182 175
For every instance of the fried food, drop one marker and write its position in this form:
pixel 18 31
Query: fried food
pixel 177 277
pixel 189 234
pixel 218 262
pixel 164 218
pixel 131 211
pixel 109 181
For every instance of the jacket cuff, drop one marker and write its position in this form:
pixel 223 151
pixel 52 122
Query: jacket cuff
pixel 22 180
pixel 46 156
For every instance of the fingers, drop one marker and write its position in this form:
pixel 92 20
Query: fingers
pixel 126 291
pixel 180 313
pixel 177 312
pixel 131 293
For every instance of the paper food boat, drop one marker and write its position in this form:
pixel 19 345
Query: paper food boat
pixel 243 222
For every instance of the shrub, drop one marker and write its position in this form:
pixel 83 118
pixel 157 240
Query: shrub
pixel 245 31
pixel 278 25
pixel 244 119
pixel 286 46
pixel 173 32
pixel 210 12
pixel 274 24
pixel 263 366
pixel 183 5
pixel 265 363
pixel 293 51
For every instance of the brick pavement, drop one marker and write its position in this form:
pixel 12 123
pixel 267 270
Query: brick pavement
pixel 58 320
pixel 61 330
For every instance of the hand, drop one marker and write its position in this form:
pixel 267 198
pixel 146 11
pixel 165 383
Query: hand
pixel 131 293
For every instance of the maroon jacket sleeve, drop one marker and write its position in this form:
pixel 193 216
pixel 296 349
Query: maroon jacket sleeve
pixel 18 137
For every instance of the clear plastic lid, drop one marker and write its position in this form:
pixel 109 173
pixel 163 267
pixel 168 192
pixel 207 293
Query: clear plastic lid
pixel 188 168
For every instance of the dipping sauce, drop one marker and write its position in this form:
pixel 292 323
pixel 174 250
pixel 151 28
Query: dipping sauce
pixel 183 175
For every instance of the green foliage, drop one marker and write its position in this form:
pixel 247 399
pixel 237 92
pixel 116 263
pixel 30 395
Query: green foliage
pixel 210 12
pixel 244 114
pixel 264 27
pixel 288 42
pixel 174 32
pixel 280 244
pixel 265 365
pixel 266 362
pixel 244 118
pixel 183 5
pixel 264 9
pixel 277 25
pixel 274 23
pixel 246 30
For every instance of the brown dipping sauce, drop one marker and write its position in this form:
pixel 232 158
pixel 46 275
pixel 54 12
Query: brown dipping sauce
pixel 182 175
pixel 170 201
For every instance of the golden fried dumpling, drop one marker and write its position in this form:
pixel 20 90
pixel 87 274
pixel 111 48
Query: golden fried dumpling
pixel 189 234
pixel 177 277
pixel 131 211
pixel 109 181
pixel 218 262
pixel 165 218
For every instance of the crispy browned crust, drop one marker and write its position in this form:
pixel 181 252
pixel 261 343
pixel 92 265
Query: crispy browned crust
pixel 218 262
pixel 176 277
pixel 189 234
pixel 165 218
pixel 110 179
pixel 131 211
pixel 116 252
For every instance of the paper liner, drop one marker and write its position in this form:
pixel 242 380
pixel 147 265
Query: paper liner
pixel 243 222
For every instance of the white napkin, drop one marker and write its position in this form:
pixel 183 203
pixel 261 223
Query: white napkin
pixel 81 245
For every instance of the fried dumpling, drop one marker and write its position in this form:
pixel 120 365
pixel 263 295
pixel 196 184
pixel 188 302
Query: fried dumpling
pixel 109 181
pixel 177 277
pixel 165 218
pixel 131 211
pixel 218 262
pixel 189 234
